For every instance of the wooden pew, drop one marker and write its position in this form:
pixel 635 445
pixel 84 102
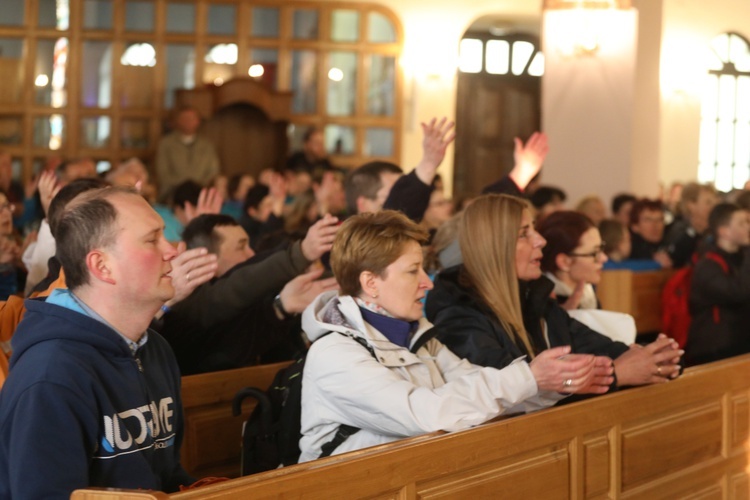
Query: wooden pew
pixel 686 438
pixel 635 293
pixel 211 446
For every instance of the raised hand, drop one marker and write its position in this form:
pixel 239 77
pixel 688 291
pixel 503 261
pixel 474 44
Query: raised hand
pixel 302 290
pixel 319 238
pixel 48 187
pixel 436 137
pixel 209 202
pixel 190 269
pixel 528 158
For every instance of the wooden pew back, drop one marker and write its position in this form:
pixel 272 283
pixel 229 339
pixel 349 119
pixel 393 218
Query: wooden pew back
pixel 634 293
pixel 686 438
pixel 211 446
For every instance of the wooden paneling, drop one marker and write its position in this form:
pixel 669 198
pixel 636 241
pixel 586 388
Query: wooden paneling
pixel 211 446
pixel 665 441
pixel 634 293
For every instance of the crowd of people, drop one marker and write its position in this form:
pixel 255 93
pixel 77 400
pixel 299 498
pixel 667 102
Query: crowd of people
pixel 416 314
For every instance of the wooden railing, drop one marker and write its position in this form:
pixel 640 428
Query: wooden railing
pixel 685 438
pixel 635 293
pixel 211 446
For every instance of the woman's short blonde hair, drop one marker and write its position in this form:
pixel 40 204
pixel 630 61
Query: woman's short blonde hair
pixel 371 242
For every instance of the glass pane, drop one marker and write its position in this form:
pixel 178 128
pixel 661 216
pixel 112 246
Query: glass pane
pixel 742 148
pixel 16 168
pixel 710 99
pixel 707 146
pixel 720 44
pixel 97 14
pixel 96 81
pixel 139 16
pixel 221 19
pixel 725 142
pixel 304 81
pixel 54 14
pixel 264 66
pixel 221 60
pixel 522 52
pixel 49 132
pixel 536 68
pixel 295 135
pixel 134 134
pixel 95 132
pixel 379 142
pixel 737 48
pixel 339 140
pixel 726 97
pixel 344 25
pixel 50 77
pixel 180 60
pixel 743 99
pixel 470 55
pixel 180 18
pixel 342 83
pixel 381 87
pixel 265 22
pixel 380 29
pixel 12 12
pixel 706 173
pixel 305 24
pixel 11 130
pixel 11 69
pixel 137 76
pixel 723 180
pixel 497 58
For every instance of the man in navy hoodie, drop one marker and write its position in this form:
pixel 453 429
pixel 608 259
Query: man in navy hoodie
pixel 93 396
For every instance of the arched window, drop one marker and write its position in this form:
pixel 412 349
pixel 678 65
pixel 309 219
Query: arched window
pixel 506 55
pixel 724 156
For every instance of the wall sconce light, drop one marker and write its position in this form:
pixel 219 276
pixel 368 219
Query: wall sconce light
pixel 580 27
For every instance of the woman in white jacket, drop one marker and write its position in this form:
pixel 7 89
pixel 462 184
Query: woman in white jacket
pixel 369 379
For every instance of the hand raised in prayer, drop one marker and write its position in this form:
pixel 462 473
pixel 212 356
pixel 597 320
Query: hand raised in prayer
pixel 319 238
pixel 298 293
pixel 528 158
pixel 436 137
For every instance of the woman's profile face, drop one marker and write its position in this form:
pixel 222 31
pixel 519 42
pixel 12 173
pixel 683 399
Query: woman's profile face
pixel 401 290
pixel 588 258
pixel 528 249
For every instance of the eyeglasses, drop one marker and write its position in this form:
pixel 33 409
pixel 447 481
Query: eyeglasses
pixel 594 255
pixel 6 206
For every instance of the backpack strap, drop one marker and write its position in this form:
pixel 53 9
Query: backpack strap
pixel 342 434
pixel 426 337
pixel 724 267
pixel 344 431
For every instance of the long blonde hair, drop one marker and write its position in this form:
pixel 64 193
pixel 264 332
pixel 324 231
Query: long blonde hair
pixel 488 233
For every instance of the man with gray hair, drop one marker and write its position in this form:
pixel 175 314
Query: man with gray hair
pixel 93 396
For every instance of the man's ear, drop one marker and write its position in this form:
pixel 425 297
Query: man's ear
pixel 562 262
pixel 362 206
pixel 367 280
pixel 97 262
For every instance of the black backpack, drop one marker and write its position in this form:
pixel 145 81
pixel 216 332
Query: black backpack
pixel 271 434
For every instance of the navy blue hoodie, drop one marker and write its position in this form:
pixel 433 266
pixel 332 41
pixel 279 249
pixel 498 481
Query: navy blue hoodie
pixel 79 409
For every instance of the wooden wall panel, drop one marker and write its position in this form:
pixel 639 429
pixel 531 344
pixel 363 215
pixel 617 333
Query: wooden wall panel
pixel 517 478
pixel 674 442
pixel 596 465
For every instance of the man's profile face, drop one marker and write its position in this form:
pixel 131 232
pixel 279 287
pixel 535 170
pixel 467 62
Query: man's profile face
pixel 234 249
pixel 140 257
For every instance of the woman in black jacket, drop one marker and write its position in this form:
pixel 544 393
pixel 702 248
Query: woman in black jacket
pixel 496 306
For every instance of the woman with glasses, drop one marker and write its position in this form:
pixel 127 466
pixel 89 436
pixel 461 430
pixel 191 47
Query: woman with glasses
pixel 497 306
pixel 573 258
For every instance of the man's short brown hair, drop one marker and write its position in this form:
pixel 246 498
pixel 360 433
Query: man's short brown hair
pixel 87 222
pixel 371 242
